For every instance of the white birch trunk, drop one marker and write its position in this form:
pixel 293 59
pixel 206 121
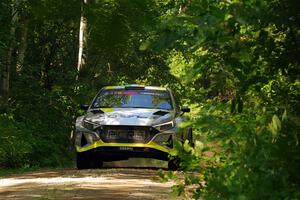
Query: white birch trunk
pixel 82 39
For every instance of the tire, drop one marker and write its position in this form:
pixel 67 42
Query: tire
pixel 86 161
pixel 82 161
pixel 189 136
pixel 96 163
pixel 173 164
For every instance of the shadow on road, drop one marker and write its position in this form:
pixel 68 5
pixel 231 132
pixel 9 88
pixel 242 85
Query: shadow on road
pixel 138 163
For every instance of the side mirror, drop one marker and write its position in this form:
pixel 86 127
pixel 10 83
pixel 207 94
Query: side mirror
pixel 84 106
pixel 185 109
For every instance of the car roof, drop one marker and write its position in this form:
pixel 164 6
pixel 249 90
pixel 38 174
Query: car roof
pixel 135 86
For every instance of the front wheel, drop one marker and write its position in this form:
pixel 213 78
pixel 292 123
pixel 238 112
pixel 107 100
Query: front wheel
pixel 82 161
pixel 86 161
pixel 190 136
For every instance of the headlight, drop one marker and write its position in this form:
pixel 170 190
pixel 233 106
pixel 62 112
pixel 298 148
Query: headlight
pixel 164 126
pixel 88 125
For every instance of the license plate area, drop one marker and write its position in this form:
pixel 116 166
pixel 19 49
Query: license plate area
pixel 125 134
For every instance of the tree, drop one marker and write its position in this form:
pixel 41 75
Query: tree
pixel 7 63
pixel 82 37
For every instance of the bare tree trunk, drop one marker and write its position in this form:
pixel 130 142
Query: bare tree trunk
pixel 82 38
pixel 23 46
pixel 5 76
pixel 183 7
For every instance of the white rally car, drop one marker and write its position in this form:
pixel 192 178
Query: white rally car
pixel 129 121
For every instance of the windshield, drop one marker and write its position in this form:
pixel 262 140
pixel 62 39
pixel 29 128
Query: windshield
pixel 133 99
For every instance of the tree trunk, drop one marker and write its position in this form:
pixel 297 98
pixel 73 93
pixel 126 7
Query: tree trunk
pixel 82 38
pixel 5 76
pixel 22 46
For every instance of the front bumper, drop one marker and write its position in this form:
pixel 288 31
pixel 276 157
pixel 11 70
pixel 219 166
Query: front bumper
pixel 97 144
pixel 119 153
pixel 158 147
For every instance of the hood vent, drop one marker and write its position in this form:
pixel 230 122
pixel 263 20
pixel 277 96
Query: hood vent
pixel 161 113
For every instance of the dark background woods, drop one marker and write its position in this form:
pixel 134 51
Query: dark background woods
pixel 236 63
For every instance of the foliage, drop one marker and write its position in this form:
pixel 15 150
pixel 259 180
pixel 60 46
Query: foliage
pixel 240 61
pixel 36 120
pixel 14 150
pixel 253 161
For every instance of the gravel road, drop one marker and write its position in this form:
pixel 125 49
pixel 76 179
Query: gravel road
pixel 128 180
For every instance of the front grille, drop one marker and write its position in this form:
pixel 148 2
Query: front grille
pixel 126 134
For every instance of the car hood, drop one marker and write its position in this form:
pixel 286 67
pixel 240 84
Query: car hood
pixel 129 116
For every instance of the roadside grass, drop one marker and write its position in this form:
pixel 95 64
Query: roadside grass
pixel 6 172
pixel 14 171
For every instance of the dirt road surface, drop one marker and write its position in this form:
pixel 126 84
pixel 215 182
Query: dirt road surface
pixel 128 180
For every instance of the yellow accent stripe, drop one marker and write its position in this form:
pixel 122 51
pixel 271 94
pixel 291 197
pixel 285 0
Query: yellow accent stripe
pixel 99 143
pixel 107 109
pixel 113 87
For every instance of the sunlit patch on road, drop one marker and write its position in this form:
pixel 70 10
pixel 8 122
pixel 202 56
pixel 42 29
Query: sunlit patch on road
pixel 108 183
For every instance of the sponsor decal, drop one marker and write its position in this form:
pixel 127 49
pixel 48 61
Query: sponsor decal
pixel 161 94
pixel 122 115
pixel 123 92
pixel 126 148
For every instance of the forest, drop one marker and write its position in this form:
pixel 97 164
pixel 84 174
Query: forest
pixel 235 63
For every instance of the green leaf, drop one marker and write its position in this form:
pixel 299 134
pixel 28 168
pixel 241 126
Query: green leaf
pixel 276 122
pixel 198 148
pixel 284 115
pixel 187 147
pixel 185 124
pixel 144 45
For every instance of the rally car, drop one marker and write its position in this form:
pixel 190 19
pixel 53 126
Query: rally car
pixel 129 121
